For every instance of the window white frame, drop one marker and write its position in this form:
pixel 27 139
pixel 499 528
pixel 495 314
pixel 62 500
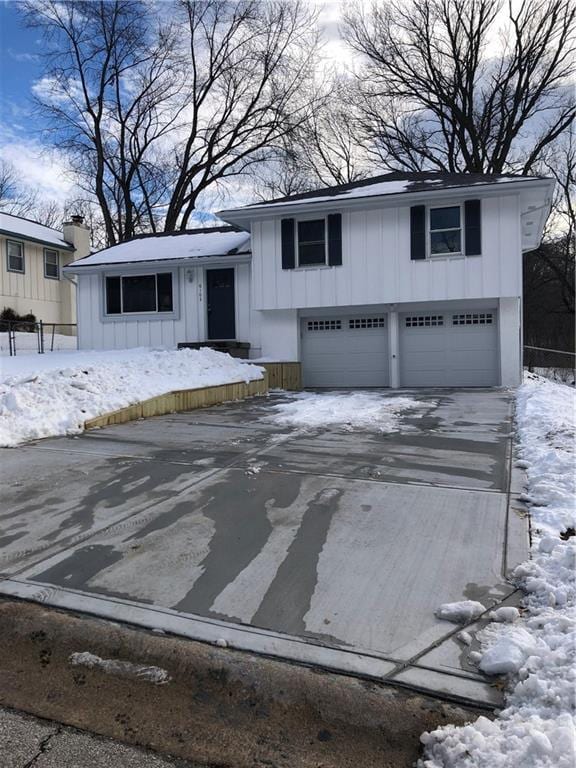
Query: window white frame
pixel 305 219
pixel 448 254
pixel 167 315
pixel 20 244
pixel 56 263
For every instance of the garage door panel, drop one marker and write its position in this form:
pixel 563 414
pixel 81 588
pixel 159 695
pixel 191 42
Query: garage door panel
pixel 456 348
pixel 353 355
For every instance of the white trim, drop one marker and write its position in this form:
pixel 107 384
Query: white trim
pixel 396 200
pixel 461 229
pixel 211 268
pixel 122 316
pixel 320 264
pixel 52 250
pixel 22 256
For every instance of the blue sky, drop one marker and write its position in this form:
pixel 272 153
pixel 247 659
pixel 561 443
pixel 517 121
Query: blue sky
pixel 19 61
pixel 20 136
pixel 21 141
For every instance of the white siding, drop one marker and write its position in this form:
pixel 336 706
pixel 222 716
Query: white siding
pixel 377 268
pixel 99 332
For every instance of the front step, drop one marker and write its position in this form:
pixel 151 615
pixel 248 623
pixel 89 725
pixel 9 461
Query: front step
pixel 239 349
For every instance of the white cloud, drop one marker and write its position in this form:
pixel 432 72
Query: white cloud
pixel 39 168
pixel 22 56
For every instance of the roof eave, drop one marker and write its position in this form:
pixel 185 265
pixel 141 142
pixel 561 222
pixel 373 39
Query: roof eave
pixel 77 268
pixel 27 239
pixel 489 189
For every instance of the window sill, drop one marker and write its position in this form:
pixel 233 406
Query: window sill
pixel 446 257
pixel 132 316
pixel 16 271
pixel 311 267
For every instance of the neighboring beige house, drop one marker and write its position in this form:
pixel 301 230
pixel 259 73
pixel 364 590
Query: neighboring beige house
pixel 32 257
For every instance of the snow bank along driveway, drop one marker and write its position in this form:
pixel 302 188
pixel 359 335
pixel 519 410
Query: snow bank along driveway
pixel 537 648
pixel 54 394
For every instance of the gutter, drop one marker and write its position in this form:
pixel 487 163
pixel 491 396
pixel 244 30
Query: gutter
pixel 393 200
pixel 77 268
pixel 47 243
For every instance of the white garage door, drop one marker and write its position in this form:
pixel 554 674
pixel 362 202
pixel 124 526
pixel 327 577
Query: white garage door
pixel 345 351
pixel 456 348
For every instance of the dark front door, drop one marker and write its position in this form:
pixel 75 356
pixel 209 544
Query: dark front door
pixel 221 306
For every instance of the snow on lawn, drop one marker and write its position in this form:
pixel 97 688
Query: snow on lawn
pixel 537 729
pixel 54 394
pixel 28 342
pixel 350 410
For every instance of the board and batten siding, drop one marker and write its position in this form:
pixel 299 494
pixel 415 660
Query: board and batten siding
pixel 376 265
pixel 99 332
pixel 32 291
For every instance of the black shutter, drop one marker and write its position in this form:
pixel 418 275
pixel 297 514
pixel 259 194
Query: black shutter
pixel 418 232
pixel 288 249
pixel 335 239
pixel 472 227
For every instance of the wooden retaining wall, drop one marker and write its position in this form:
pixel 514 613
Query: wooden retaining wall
pixel 283 375
pixel 181 400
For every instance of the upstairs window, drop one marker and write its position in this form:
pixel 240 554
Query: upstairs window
pixel 14 256
pixel 445 231
pixel 51 264
pixel 128 294
pixel 311 243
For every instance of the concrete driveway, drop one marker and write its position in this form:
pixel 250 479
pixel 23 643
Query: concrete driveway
pixel 323 546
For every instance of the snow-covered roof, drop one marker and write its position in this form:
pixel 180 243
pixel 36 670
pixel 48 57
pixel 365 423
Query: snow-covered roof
pixel 191 244
pixel 381 186
pixel 31 230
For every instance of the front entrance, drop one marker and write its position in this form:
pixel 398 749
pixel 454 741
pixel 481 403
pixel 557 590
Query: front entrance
pixel 220 294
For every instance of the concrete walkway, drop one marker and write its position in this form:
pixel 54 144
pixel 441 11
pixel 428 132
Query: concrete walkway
pixel 28 742
pixel 324 546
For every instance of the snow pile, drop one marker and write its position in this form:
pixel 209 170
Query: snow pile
pixel 58 400
pixel 537 729
pixel 350 410
pixel 460 612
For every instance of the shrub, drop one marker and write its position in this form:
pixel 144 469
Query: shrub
pixel 11 320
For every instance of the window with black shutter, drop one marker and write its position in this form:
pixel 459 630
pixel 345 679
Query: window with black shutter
pixel 311 243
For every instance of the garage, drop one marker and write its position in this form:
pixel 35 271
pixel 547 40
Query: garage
pixel 449 348
pixel 345 351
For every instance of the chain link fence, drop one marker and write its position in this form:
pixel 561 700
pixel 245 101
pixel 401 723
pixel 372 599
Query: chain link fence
pixel 25 337
pixel 554 364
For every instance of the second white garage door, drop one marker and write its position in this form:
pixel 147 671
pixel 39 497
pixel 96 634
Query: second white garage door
pixel 345 351
pixel 456 348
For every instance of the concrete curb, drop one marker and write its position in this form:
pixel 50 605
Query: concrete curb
pixel 219 706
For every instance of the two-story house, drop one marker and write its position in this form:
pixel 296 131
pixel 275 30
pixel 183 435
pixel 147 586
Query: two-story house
pixel 403 280
pixel 33 256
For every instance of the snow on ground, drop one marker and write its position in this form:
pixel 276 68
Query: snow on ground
pixel 537 729
pixel 27 343
pixel 54 394
pixel 350 410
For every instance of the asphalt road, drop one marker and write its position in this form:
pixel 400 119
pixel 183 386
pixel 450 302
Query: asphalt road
pixel 28 742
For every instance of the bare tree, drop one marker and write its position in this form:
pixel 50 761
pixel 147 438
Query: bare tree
pixel 442 90
pixel 153 113
pixel 324 149
pixel 15 198
pixel 18 199
pixel 108 92
pixel 250 65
